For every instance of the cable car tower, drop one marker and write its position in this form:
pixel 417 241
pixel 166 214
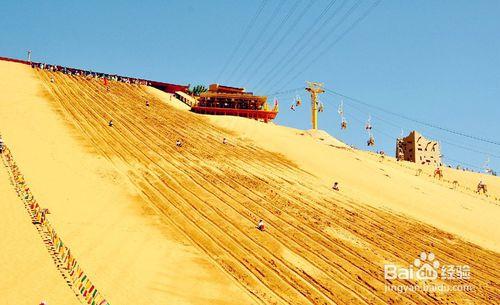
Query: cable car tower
pixel 314 88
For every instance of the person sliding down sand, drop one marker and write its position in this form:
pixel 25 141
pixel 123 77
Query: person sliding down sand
pixel 261 226
pixel 178 143
pixel 110 124
pixel 224 141
pixel 147 103
pixel 336 186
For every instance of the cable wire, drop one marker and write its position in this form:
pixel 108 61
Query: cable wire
pixel 273 69
pixel 243 37
pixel 294 65
pixel 249 50
pixel 278 43
pixel 331 45
pixel 286 91
pixel 459 133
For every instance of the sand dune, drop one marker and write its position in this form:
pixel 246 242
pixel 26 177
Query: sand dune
pixel 389 185
pixel 28 273
pixel 159 224
pixel 123 245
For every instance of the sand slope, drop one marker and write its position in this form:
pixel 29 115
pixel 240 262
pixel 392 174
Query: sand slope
pixel 29 275
pixel 160 224
pixel 390 185
pixel 130 254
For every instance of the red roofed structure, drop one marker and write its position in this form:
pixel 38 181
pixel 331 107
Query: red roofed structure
pixel 225 100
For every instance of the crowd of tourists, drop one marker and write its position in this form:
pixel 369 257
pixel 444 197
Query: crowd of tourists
pixel 89 74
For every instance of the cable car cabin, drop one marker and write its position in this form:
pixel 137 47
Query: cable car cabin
pixel 343 125
pixel 298 101
pixel 371 141
pixel 224 100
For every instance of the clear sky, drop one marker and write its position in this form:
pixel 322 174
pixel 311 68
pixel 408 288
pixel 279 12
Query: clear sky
pixel 434 61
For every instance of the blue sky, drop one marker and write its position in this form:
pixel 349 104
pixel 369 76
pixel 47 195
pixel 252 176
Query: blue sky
pixel 434 61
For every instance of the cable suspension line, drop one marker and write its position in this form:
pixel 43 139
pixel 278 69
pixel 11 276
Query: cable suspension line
pixel 257 39
pixel 297 43
pixel 305 55
pixel 331 45
pixel 258 67
pixel 459 133
pixel 242 38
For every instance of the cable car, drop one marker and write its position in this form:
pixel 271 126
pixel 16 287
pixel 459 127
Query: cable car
pixel 340 111
pixel 321 107
pixel 371 141
pixel 298 100
pixel 368 125
pixel 343 125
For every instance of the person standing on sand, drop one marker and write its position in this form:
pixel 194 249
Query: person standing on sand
pixel 438 173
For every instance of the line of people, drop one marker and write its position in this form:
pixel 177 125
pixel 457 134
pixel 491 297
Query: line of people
pixel 89 74
pixel 438 172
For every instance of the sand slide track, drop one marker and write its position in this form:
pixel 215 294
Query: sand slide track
pixel 185 195
pixel 218 215
pixel 108 150
pixel 306 243
pixel 207 232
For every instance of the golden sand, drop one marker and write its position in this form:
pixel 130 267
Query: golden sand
pixel 153 223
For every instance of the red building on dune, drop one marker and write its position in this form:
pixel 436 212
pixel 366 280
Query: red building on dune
pixel 224 100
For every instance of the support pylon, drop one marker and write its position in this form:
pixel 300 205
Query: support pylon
pixel 314 88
